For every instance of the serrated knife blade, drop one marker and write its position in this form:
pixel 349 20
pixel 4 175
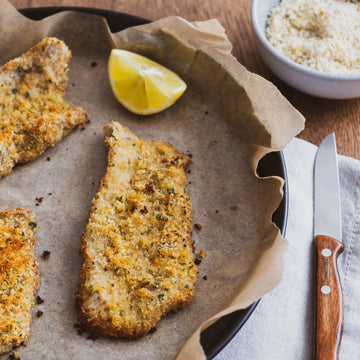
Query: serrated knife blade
pixel 327 232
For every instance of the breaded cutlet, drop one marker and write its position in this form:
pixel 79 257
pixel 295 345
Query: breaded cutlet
pixel 138 261
pixel 33 112
pixel 19 277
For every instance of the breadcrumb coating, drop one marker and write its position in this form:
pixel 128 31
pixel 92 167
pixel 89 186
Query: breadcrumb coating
pixel 138 261
pixel 19 277
pixel 33 112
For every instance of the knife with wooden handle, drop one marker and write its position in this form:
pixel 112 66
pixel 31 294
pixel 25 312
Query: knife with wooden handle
pixel 327 231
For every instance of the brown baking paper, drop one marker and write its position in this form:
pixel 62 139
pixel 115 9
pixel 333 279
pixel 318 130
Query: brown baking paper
pixel 227 119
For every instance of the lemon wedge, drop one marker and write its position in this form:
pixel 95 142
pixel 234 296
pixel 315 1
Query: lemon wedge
pixel 142 85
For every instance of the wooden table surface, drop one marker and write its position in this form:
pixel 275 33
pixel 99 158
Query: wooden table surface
pixel 322 116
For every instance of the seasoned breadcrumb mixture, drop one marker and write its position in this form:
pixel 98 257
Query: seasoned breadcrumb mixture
pixel 137 247
pixel 19 276
pixel 320 34
pixel 33 112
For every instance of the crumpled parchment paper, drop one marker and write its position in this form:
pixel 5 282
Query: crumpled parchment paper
pixel 227 119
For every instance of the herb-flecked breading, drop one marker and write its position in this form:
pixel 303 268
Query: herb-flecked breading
pixel 138 261
pixel 19 278
pixel 33 112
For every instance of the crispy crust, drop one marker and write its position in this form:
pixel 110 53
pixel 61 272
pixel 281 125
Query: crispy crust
pixel 138 261
pixel 19 277
pixel 33 113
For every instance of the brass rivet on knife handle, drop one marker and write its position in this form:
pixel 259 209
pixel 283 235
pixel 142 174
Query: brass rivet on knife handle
pixel 329 300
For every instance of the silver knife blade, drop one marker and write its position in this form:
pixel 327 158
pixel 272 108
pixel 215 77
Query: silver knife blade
pixel 327 212
pixel 327 228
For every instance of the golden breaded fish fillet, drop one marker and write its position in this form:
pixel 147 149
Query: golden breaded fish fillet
pixel 33 112
pixel 138 261
pixel 19 278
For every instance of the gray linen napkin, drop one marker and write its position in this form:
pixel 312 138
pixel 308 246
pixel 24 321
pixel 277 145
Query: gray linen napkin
pixel 282 325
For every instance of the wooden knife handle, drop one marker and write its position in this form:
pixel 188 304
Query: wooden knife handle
pixel 329 300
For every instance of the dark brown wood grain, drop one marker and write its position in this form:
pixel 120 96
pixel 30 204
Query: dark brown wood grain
pixel 329 301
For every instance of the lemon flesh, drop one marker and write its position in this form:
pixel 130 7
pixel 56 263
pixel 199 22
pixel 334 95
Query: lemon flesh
pixel 141 85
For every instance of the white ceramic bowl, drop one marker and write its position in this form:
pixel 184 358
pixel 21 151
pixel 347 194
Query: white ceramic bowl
pixel 313 82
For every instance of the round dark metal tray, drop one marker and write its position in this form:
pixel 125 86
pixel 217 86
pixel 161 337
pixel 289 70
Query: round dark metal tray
pixel 217 336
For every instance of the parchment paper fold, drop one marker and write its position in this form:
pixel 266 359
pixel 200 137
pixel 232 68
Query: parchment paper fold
pixel 227 119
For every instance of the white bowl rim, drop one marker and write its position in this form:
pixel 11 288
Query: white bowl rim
pixel 260 33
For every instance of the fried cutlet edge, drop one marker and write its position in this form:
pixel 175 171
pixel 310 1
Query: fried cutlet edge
pixel 19 212
pixel 105 327
pixel 51 73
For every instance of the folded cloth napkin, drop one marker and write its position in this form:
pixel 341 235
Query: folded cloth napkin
pixel 282 325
